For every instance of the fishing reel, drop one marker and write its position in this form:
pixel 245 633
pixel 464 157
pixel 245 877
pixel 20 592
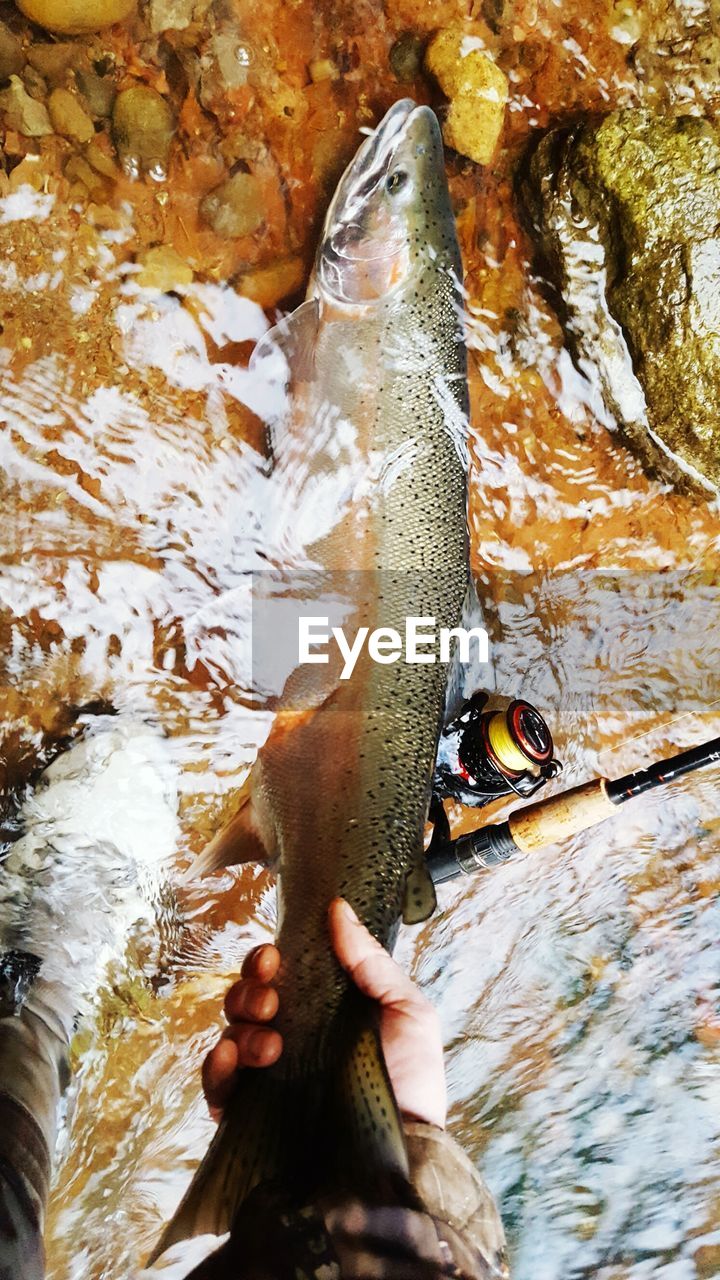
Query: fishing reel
pixel 484 754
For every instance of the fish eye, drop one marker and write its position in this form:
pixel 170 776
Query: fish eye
pixel 396 181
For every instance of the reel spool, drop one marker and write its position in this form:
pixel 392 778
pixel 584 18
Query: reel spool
pixel 487 754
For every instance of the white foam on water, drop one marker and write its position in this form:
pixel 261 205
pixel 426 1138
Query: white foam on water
pixel 24 204
pixel 98 830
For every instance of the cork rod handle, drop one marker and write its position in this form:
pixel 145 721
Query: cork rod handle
pixel 561 816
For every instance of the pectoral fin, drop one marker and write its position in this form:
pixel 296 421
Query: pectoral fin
pixel 465 678
pixel 283 359
pixel 295 337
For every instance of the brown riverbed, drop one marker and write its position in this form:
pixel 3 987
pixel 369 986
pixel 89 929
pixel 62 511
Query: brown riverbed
pixel 579 992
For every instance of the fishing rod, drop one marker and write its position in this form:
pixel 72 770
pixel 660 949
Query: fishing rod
pixel 560 816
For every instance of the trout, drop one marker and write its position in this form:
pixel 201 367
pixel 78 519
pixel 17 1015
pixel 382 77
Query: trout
pixel 340 791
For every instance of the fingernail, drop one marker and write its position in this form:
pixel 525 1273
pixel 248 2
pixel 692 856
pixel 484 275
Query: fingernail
pixel 348 911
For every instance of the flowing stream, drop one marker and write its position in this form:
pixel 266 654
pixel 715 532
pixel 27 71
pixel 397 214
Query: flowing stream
pixel 578 988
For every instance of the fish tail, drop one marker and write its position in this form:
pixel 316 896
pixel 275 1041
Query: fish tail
pixel 241 1154
pixel 319 1127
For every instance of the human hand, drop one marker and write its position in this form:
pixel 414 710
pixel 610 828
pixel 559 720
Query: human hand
pixel 250 1003
pixel 409 1025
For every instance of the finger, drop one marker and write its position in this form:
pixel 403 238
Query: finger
pixel 370 966
pixel 240 1046
pixel 261 963
pixel 218 1075
pixel 249 1001
pixel 254 1046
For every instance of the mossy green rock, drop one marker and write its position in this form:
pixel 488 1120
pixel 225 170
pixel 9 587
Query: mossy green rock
pixel 627 213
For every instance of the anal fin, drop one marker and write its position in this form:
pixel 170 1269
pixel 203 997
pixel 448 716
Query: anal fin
pixel 374 1138
pixel 239 840
pixel 420 899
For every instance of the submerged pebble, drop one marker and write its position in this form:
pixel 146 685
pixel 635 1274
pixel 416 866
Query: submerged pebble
pixel 625 22
pixel 100 159
pixel 707 1260
pixel 143 126
pixel 323 69
pixel 99 92
pixel 77 170
pixel 23 113
pixel 272 284
pixel 477 90
pixel 55 61
pixel 12 59
pixel 234 208
pixel 76 17
pixel 170 15
pixel 406 57
pixel 68 117
pixel 163 268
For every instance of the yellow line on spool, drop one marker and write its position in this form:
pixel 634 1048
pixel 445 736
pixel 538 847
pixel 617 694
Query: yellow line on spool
pixel 504 746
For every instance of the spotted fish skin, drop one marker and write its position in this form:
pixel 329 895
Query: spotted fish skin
pixel 341 788
pixel 346 786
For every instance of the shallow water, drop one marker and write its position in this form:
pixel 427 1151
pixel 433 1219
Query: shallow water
pixel 579 989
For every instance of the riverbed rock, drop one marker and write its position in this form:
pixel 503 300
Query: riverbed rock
pixel 234 208
pixel 272 284
pixel 76 17
pixel 99 92
pixel 406 57
pixel 23 113
pixel 625 211
pixel 169 15
pixel 163 268
pixel 477 90
pixel 56 60
pixel 143 126
pixel 323 69
pixel 12 58
pixel 707 1261
pixel 68 116
pixel 224 66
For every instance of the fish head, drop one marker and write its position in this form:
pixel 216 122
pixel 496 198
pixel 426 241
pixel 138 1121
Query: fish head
pixel 391 214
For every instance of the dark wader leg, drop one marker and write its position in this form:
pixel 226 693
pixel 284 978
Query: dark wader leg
pixel 23 1146
pixel 34 1072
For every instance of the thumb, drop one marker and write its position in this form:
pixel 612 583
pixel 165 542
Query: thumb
pixel 369 965
pixel 409 1025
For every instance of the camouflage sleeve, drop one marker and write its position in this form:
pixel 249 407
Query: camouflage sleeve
pixel 456 1234
pixel 453 1192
